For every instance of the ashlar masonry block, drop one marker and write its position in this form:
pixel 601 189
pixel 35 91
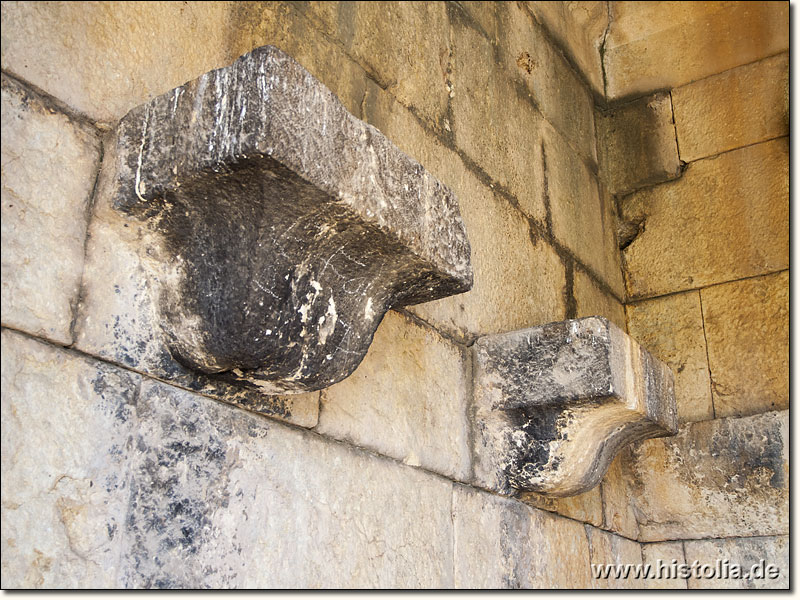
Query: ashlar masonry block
pixel 554 404
pixel 276 229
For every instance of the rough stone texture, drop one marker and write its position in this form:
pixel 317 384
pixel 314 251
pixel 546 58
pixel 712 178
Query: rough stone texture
pixel 607 548
pixel 550 81
pixel 501 543
pixel 518 279
pixel 618 510
pixel 586 507
pixel 579 28
pixel 117 321
pixel 244 291
pixel 662 45
pixel 582 217
pixel 742 106
pixel 637 145
pixel 671 327
pixel 402 45
pixel 49 165
pixel 228 499
pixel 720 478
pixel 669 554
pixel 592 300
pixel 554 404
pixel 747 327
pixel 105 58
pixel 68 426
pixel 746 552
pixel 724 219
pixel 496 127
pixel 407 399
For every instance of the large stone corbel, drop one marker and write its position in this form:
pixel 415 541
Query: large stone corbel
pixel 281 227
pixel 554 404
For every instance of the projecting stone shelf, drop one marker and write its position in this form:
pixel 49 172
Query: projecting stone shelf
pixel 284 227
pixel 554 404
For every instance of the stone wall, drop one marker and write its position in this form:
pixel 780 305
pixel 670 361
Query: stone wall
pixel 111 478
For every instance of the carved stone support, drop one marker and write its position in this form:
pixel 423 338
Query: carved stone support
pixel 280 228
pixel 554 404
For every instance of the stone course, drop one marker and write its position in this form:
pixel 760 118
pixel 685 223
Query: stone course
pixel 46 197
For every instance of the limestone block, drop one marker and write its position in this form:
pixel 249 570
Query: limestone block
pixel 407 399
pixel 747 327
pixel 501 543
pixel 227 499
pixel 662 45
pixel 493 125
pixel 586 507
pixel 519 279
pixel 582 214
pixel 592 300
pixel 637 145
pixel 665 559
pixel 49 164
pixel 579 28
pixel 726 218
pixel 721 478
pixel 671 327
pixel 743 106
pixel 748 554
pixel 402 45
pixel 618 510
pixel 530 58
pixel 68 432
pixel 610 549
pixel 554 404
pixel 326 224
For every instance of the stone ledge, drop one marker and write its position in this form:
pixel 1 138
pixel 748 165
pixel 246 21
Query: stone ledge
pixel 554 404
pixel 278 228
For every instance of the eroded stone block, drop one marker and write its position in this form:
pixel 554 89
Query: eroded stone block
pixel 554 404
pixel 278 227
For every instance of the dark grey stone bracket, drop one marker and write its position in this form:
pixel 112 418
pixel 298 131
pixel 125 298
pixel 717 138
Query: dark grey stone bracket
pixel 554 404
pixel 283 228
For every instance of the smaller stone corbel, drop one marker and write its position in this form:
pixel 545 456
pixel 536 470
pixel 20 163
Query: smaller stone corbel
pixel 554 404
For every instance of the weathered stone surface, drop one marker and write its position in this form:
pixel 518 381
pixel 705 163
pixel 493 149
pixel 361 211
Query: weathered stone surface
pixel 671 327
pixel 586 507
pixel 747 327
pixel 554 404
pixel 117 321
pixel 49 167
pixel 748 553
pixel 720 478
pixel 226 499
pixel 519 279
pixel 742 106
pixel 327 224
pixel 579 28
pixel 582 214
pixel 618 510
pixel 530 58
pixel 496 127
pixel 724 219
pixel 501 543
pixel 664 559
pixel 407 399
pixel 592 300
pixel 402 45
pixel 661 45
pixel 68 426
pixel 610 549
pixel 637 145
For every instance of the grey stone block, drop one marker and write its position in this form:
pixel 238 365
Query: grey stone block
pixel 278 228
pixel 554 404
